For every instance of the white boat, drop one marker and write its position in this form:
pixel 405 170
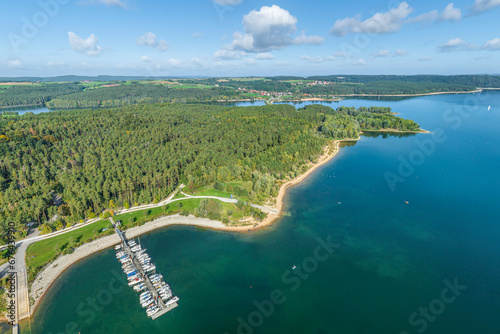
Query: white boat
pixel 135 248
pixel 117 247
pixel 172 301
pixel 151 311
pixel 139 287
pixel 134 282
pixel 489 107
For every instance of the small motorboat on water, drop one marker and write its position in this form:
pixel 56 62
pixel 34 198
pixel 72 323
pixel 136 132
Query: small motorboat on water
pixel 294 267
pixel 489 107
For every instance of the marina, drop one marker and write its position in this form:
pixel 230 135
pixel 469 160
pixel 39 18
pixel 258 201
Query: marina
pixel 155 295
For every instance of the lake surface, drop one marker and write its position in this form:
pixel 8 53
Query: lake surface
pixel 429 266
pixel 24 110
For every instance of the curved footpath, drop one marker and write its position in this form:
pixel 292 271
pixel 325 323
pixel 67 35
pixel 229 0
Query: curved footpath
pixel 48 275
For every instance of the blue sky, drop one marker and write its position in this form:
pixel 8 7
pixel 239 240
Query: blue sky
pixel 248 37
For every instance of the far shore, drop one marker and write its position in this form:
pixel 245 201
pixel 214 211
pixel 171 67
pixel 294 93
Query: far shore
pixel 405 95
pixel 395 131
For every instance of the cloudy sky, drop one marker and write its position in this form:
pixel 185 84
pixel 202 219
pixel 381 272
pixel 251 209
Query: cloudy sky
pixel 248 37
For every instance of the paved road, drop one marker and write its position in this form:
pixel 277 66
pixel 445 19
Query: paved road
pixel 22 296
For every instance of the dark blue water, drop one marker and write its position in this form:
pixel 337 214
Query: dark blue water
pixel 429 266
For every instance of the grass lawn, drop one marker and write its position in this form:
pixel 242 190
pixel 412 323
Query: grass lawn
pixel 41 252
pixel 211 192
pixel 179 195
pixel 143 216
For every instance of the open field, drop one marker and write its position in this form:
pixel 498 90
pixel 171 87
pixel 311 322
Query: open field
pixel 182 86
pixel 16 83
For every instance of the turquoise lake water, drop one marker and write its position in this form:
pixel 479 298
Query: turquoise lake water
pixel 429 266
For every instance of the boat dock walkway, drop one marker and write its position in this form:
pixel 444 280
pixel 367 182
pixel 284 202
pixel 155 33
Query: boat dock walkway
pixel 164 308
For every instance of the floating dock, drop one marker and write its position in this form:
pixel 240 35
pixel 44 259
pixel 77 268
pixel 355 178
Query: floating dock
pixel 161 298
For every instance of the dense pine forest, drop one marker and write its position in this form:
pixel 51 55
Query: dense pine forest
pixel 35 94
pixel 90 160
pixel 141 93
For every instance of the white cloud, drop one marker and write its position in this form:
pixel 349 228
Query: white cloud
pixel 426 17
pixel 117 3
pixel 455 44
pixel 229 54
pixel 381 53
pixel 149 39
pixel 87 46
pixel 400 53
pixel 484 5
pixel 16 63
pixel 317 59
pixel 451 13
pixel 389 53
pixel 270 28
pixel 303 39
pixel 359 62
pixel 197 35
pixel 265 56
pixel 492 45
pixel 174 62
pixel 193 63
pixel 228 2
pixel 380 23
pixel 425 58
pixel 146 59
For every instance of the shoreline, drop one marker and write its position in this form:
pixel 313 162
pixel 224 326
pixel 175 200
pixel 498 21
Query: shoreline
pixel 50 273
pixel 394 131
pixel 406 95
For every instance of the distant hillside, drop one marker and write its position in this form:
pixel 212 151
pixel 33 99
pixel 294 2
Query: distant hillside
pixel 484 81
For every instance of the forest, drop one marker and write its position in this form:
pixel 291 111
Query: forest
pixel 91 160
pixel 35 94
pixel 141 93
